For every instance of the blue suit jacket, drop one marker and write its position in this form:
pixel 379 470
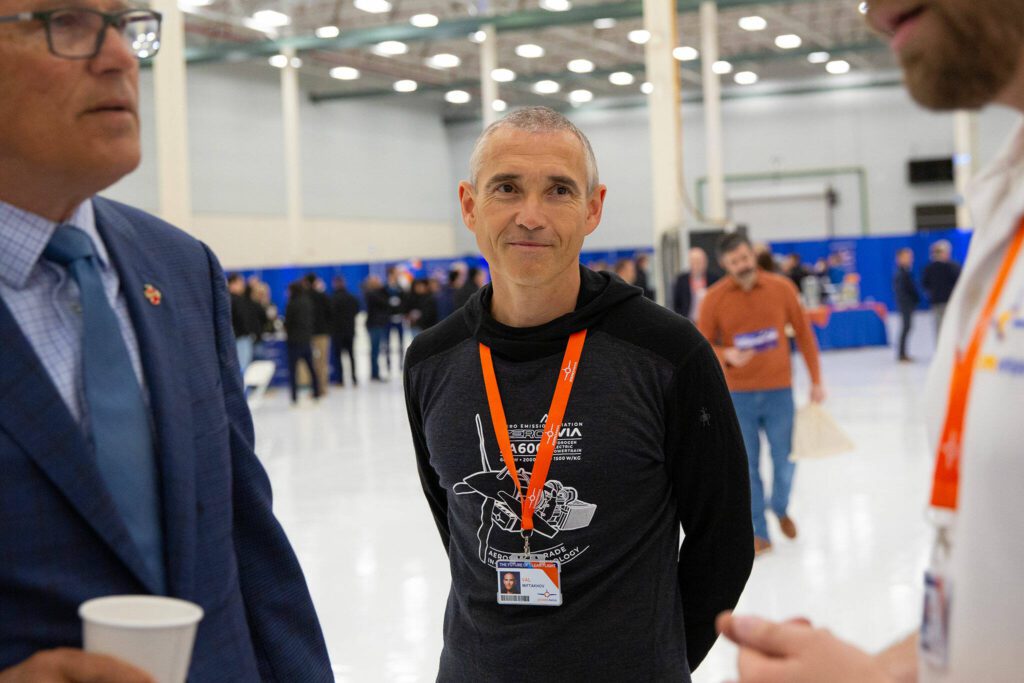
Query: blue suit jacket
pixel 61 539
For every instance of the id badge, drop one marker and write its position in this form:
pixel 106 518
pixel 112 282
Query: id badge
pixel 529 583
pixel 934 642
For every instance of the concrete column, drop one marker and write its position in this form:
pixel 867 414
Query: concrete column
pixel 665 114
pixel 965 164
pixel 716 209
pixel 292 153
pixel 488 63
pixel 171 109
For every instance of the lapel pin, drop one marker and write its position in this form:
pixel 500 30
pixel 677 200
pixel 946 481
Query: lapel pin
pixel 152 294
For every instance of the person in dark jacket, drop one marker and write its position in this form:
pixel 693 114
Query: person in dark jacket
pixel 628 475
pixel 643 277
pixel 691 286
pixel 446 297
pixel 344 309
pixel 907 297
pixel 244 320
pixel 474 281
pixel 939 279
pixel 298 326
pixel 422 306
pixel 378 317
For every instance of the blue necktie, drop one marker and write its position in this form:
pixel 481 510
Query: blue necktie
pixel 121 435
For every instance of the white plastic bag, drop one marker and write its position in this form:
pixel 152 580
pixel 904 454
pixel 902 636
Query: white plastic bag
pixel 816 435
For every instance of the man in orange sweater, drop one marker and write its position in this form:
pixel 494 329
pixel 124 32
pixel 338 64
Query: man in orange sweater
pixel 744 316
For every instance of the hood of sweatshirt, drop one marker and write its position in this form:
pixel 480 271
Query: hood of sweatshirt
pixel 599 293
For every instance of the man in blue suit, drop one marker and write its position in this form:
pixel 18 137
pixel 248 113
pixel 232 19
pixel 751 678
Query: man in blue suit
pixel 126 447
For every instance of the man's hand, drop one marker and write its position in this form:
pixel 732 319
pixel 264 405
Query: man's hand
pixel 737 357
pixel 817 393
pixel 795 652
pixel 65 665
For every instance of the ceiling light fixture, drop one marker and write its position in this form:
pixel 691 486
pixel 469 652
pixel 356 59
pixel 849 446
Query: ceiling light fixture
pixel 838 67
pixel 745 78
pixel 503 75
pixel 546 87
pixel 639 36
pixel 556 5
pixel 721 67
pixel 405 85
pixel 373 6
pixel 685 53
pixel 605 23
pixel 581 66
pixel 328 32
pixel 622 78
pixel 344 73
pixel 581 96
pixel 818 57
pixel 443 61
pixel 529 51
pixel 457 97
pixel 788 41
pixel 390 48
pixel 271 19
pixel 424 20
pixel 753 23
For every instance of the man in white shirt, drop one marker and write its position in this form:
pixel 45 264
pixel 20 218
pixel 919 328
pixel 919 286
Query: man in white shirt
pixel 956 54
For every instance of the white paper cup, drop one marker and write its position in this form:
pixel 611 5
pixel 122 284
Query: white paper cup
pixel 153 633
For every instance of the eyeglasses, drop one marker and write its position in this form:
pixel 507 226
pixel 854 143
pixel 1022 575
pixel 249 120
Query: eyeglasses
pixel 78 33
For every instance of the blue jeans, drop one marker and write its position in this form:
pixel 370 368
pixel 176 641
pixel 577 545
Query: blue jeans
pixel 771 412
pixel 244 347
pixel 378 339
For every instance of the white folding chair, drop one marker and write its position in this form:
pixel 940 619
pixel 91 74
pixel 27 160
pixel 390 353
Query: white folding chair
pixel 257 379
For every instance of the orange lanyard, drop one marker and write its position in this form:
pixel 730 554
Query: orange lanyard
pixel 546 448
pixel 947 462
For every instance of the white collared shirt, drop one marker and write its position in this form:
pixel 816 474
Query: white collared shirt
pixel 987 564
pixel 44 299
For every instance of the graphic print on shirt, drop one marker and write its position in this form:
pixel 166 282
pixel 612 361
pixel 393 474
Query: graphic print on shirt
pixel 1003 356
pixel 559 511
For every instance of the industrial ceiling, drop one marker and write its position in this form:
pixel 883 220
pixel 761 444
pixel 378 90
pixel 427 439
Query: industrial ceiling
pixel 590 48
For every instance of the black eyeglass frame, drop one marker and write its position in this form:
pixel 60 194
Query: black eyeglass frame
pixel 110 19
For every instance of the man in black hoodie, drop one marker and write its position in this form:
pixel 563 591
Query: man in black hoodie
pixel 640 438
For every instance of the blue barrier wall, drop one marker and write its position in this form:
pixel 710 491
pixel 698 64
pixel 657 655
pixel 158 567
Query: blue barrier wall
pixel 354 273
pixel 874 258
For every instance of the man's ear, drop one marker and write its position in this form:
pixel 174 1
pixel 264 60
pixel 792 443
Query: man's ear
pixel 467 200
pixel 595 207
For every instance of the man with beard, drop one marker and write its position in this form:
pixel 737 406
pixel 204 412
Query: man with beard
pixel 745 317
pixel 956 54
pixel 584 494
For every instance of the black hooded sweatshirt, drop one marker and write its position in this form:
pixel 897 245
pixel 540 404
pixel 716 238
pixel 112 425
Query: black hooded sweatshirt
pixel 649 442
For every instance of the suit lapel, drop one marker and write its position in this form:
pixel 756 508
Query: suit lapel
pixel 156 328
pixel 34 416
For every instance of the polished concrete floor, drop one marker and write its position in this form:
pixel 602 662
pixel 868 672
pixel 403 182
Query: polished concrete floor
pixel 347 493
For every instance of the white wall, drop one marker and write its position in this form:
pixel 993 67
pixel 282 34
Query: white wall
pixel 878 129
